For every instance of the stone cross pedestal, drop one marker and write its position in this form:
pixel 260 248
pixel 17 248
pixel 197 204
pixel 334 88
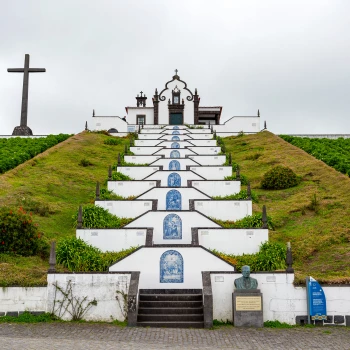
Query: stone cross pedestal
pixel 247 306
pixel 23 129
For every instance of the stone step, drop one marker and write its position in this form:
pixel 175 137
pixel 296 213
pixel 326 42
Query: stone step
pixel 170 318
pixel 170 310
pixel 170 297
pixel 170 291
pixel 170 304
pixel 170 324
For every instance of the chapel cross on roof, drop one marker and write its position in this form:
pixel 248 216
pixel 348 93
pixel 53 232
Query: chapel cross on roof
pixel 176 71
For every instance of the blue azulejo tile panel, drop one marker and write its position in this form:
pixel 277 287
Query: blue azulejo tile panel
pixel 175 138
pixel 175 128
pixel 174 180
pixel 176 132
pixel 174 154
pixel 172 227
pixel 175 145
pixel 171 267
pixel 173 200
pixel 174 165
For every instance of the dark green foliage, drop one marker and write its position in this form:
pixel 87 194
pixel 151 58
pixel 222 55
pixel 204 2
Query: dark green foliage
pixel 279 177
pixel 271 257
pixel 250 221
pixel 33 206
pixel 18 234
pixel 97 217
pixel 117 176
pixel 16 150
pixel 243 179
pixel 277 324
pixel 335 153
pixel 113 141
pixel 240 195
pixel 78 256
pixel 106 194
pixel 27 317
pixel 85 162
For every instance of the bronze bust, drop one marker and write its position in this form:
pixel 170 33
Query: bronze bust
pixel 246 282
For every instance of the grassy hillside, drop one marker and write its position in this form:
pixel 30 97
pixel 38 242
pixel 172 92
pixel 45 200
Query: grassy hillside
pixel 320 235
pixel 54 184
pixel 314 215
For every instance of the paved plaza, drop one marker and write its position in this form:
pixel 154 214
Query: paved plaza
pixel 104 336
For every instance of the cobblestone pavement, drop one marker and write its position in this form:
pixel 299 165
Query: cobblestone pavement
pixel 103 336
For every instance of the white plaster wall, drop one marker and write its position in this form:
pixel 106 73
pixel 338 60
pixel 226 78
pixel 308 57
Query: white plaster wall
pixel 137 172
pixel 101 287
pixel 144 150
pixel 148 143
pixel 171 127
pixel 113 240
pixel 204 142
pixel 237 124
pixel 163 177
pixel 209 160
pixel 128 188
pixel 151 131
pixel 188 117
pixel 224 209
pixel 126 209
pixel 180 131
pixel 106 123
pixel 212 172
pixel 160 194
pixel 146 260
pixel 282 301
pixel 166 161
pixel 205 150
pixel 149 136
pixel 23 298
pixel 141 159
pixel 200 131
pixel 155 219
pixel 182 144
pixel 233 241
pixel 218 188
pixel 201 136
pixel 133 112
pixel 183 152
pixel 181 137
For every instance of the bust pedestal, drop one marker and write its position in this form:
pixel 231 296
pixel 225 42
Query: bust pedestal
pixel 247 306
pixel 22 130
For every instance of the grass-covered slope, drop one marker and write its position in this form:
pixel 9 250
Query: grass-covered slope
pixel 314 216
pixel 54 184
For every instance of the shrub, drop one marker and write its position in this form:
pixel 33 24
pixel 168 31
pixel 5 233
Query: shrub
pixel 117 176
pixel 243 194
pixel 106 194
pixel 18 233
pixel 113 141
pixel 97 217
pixel 85 162
pixel 250 221
pixel 35 207
pixel 271 257
pixel 79 256
pixel 279 177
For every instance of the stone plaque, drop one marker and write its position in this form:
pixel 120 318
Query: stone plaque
pixel 248 303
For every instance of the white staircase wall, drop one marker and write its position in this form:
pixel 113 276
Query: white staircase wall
pixel 137 172
pixel 205 150
pixel 218 188
pixel 166 161
pixel 141 159
pixel 212 172
pixel 126 208
pixel 209 160
pixel 128 188
pixel 163 177
pixel 144 150
pixel 183 152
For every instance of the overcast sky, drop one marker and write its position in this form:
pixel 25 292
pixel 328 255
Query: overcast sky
pixel 290 59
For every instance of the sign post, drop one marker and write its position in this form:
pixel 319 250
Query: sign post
pixel 316 301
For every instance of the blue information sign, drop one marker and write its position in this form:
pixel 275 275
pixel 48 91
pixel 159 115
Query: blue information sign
pixel 316 300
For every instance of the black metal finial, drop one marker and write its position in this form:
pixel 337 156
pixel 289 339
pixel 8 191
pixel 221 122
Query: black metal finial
pixel 264 217
pixel 156 92
pixel 169 101
pixel 249 192
pixel 238 174
pixel 125 149
pixel 131 141
pixel 110 172
pixel 139 128
pixel 258 113
pixel 52 259
pixel 214 136
pixel 265 125
pixel 195 91
pixel 80 217
pixel 119 159
pixel 289 259
pixel 212 129
pixel 142 125
pixel 230 159
pixel 86 125
pixel 176 71
pixel 97 191
pixel 93 112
